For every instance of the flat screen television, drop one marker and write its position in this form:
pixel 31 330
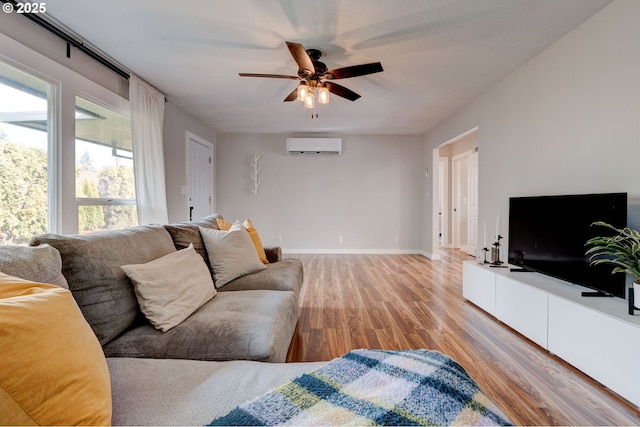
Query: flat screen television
pixel 547 234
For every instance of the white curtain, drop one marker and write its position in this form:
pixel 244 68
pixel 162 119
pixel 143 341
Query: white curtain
pixel 147 114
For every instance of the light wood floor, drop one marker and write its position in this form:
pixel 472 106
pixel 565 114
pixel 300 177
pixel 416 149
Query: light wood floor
pixel 407 301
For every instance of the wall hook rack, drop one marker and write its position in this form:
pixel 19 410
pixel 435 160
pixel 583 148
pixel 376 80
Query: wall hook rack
pixel 254 175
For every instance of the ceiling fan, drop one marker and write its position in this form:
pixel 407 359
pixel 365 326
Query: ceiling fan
pixel 313 76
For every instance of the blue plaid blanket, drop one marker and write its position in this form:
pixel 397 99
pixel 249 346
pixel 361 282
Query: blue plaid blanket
pixel 374 387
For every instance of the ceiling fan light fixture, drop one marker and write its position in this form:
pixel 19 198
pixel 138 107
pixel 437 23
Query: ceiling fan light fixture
pixel 313 77
pixel 323 95
pixel 303 90
pixel 310 100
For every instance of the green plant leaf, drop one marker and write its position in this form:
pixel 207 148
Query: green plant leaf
pixel 622 250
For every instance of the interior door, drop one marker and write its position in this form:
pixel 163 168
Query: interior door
pixel 200 178
pixel 472 205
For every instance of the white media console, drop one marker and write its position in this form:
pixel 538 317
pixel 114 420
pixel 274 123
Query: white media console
pixel 594 334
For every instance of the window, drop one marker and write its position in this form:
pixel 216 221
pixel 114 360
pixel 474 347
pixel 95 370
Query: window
pixel 105 186
pixel 48 113
pixel 26 171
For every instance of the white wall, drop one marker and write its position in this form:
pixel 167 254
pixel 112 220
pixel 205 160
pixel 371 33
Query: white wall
pixel 567 121
pixel 176 124
pixel 31 35
pixel 369 195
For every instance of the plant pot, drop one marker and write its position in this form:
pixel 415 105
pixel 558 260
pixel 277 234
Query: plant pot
pixel 636 294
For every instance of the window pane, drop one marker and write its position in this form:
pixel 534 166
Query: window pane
pixel 100 174
pixel 104 165
pixel 24 141
pixel 105 185
pixel 106 217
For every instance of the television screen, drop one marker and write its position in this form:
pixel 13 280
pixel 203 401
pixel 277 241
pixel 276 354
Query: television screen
pixel 547 234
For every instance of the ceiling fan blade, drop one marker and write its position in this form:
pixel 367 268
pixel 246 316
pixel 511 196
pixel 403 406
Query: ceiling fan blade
pixel 342 91
pixel 301 57
pixel 271 76
pixel 354 71
pixel 292 96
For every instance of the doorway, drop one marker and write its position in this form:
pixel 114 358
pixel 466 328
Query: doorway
pixel 456 194
pixel 200 171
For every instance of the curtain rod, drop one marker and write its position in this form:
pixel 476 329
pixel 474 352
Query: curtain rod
pixel 38 20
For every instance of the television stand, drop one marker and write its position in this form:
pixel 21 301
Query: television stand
pixel 596 335
pixel 595 294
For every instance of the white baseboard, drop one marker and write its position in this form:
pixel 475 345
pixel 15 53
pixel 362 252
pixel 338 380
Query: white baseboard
pixel 431 256
pixel 355 251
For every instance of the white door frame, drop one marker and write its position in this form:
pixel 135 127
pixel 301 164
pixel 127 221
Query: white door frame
pixel 191 136
pixel 443 201
pixel 472 205
pixel 435 244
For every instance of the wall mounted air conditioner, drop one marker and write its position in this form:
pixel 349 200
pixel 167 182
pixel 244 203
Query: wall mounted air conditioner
pixel 314 146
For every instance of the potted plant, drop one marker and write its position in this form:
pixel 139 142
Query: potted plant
pixel 621 250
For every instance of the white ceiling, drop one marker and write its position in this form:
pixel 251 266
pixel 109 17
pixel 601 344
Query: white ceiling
pixel 437 54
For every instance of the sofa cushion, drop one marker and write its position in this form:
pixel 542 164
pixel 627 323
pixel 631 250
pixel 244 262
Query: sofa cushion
pixel 185 233
pixel 247 325
pixel 231 253
pixel 285 275
pixel 273 253
pixel 172 287
pixel 53 369
pixel 37 263
pixel 190 392
pixel 91 264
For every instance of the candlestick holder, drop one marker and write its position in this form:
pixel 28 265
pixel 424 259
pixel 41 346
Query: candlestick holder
pixel 485 250
pixel 495 252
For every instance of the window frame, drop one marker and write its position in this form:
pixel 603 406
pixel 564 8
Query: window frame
pixel 66 84
pixel 54 213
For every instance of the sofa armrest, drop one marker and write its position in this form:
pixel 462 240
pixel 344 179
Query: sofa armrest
pixel 274 253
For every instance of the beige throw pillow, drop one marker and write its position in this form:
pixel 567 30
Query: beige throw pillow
pixel 172 287
pixel 231 253
pixel 253 233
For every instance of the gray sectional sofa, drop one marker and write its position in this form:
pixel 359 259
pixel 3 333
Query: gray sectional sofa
pixel 214 360
pixel 251 318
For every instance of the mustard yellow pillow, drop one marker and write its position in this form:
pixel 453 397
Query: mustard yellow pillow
pixel 52 368
pixel 255 238
pixel 224 225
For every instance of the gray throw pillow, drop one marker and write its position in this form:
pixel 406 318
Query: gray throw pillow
pixel 232 253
